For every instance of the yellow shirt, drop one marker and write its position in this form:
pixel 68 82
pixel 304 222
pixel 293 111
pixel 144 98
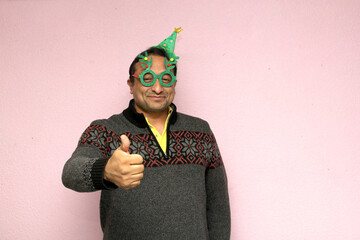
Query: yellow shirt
pixel 161 138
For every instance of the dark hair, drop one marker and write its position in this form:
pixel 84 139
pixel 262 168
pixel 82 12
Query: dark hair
pixel 157 51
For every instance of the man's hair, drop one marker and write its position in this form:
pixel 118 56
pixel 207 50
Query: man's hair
pixel 156 51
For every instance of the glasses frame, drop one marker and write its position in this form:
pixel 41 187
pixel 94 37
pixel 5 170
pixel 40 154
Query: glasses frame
pixel 146 63
pixel 141 77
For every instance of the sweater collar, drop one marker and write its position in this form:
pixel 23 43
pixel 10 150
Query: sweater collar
pixel 139 119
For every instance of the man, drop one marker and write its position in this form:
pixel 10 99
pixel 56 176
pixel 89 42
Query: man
pixel 160 171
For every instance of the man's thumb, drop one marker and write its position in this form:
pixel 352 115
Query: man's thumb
pixel 125 143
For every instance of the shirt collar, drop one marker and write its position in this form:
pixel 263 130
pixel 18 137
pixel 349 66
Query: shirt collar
pixel 139 119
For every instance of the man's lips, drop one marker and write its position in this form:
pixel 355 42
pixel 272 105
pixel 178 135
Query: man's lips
pixel 156 97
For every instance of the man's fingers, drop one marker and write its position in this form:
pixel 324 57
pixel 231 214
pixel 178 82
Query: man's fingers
pixel 136 159
pixel 137 169
pixel 134 184
pixel 125 143
pixel 136 180
pixel 137 177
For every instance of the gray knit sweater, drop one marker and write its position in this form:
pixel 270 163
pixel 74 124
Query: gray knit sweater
pixel 183 194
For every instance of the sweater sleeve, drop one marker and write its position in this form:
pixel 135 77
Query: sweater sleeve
pixel 83 172
pixel 217 198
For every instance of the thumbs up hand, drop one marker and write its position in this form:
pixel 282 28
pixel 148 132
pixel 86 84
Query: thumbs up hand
pixel 124 169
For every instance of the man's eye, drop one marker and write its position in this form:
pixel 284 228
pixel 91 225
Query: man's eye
pixel 166 79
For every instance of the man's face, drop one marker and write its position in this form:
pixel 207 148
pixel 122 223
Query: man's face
pixel 156 98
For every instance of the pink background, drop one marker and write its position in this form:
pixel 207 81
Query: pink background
pixel 279 82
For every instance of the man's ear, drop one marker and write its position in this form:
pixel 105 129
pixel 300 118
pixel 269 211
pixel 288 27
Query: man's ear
pixel 130 86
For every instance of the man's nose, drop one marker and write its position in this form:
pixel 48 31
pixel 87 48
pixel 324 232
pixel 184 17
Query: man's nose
pixel 157 87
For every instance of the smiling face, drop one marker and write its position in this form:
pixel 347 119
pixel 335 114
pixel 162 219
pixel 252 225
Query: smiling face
pixel 153 99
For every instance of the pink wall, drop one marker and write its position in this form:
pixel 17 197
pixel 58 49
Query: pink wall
pixel 277 80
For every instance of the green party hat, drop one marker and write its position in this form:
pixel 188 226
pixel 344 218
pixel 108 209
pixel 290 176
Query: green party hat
pixel 169 45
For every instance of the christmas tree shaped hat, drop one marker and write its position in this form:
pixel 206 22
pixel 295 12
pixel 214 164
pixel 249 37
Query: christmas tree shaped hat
pixel 169 45
pixel 166 78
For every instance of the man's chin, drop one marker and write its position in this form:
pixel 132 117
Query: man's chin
pixel 158 106
pixel 158 109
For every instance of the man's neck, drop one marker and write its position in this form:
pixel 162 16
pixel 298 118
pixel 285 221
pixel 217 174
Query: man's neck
pixel 156 119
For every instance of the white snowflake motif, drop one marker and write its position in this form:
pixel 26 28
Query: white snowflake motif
pixel 207 152
pixel 138 147
pixel 189 146
pixel 97 137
